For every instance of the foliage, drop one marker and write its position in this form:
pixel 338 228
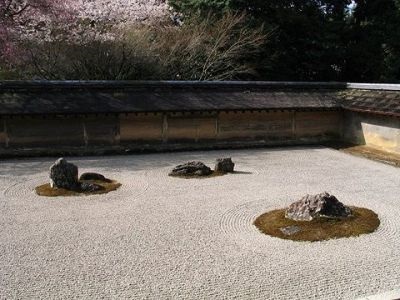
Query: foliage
pixel 92 59
pixel 374 50
pixel 203 49
pixel 307 44
pixel 320 40
pixel 190 6
pixel 18 14
pixel 209 48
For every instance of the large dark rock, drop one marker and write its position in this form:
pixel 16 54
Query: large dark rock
pixel 312 207
pixel 93 176
pixel 224 165
pixel 64 175
pixel 191 168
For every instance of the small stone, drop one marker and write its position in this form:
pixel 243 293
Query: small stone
pixel 312 207
pixel 93 176
pixel 63 175
pixel 191 168
pixel 90 187
pixel 290 230
pixel 224 165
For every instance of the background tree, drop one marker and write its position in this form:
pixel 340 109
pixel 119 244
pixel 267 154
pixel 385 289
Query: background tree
pixel 208 48
pixel 319 40
pixel 309 41
pixel 17 15
pixel 374 43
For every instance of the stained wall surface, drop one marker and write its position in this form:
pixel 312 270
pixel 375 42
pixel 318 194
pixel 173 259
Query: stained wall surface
pixel 381 132
pixel 3 134
pixel 155 129
pixel 127 116
pixel 44 132
pixel 256 125
pixel 143 127
pixel 197 127
pixel 101 130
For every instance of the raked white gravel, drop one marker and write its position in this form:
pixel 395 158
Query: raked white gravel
pixel 159 237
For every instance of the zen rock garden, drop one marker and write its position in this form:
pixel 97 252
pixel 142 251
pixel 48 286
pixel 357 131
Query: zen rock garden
pixel 316 218
pixel 312 218
pixel 197 169
pixel 252 232
pixel 64 181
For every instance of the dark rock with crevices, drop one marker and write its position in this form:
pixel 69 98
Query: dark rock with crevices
pixel 224 165
pixel 87 187
pixel 64 175
pixel 93 176
pixel 195 168
pixel 312 207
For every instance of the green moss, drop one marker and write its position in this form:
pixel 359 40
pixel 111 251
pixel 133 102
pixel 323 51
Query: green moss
pixel 363 221
pixel 48 191
pixel 213 174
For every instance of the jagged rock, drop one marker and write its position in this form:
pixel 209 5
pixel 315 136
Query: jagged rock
pixel 93 176
pixel 224 165
pixel 90 187
pixel 64 175
pixel 312 207
pixel 191 168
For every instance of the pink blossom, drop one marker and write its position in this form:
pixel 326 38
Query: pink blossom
pixel 17 16
pixel 38 19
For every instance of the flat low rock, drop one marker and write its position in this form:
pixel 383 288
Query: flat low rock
pixel 196 168
pixel 290 230
pixel 224 165
pixel 311 207
pixel 64 175
pixel 93 176
pixel 89 187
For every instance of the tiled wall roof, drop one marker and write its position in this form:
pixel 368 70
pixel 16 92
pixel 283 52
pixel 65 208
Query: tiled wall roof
pixel 22 98
pixel 74 98
pixel 372 101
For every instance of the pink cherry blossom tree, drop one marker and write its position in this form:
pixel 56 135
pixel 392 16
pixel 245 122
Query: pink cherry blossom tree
pixel 18 15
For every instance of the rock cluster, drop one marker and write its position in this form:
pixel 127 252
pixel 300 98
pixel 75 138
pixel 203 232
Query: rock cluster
pixel 191 168
pixel 197 168
pixel 224 165
pixel 65 175
pixel 311 207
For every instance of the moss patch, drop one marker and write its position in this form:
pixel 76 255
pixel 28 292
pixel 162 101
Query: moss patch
pixel 363 221
pixel 48 191
pixel 367 152
pixel 213 174
pixel 374 154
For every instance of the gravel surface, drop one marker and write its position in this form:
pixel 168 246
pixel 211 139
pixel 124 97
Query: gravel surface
pixel 160 237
